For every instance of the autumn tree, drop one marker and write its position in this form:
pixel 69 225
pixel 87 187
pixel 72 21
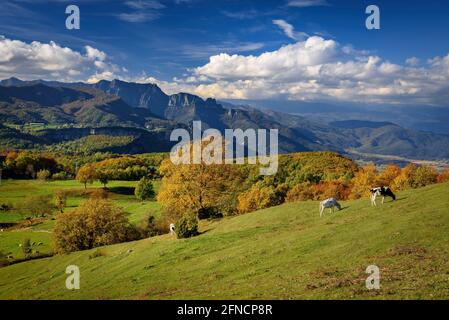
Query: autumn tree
pixel 60 200
pixel 364 180
pixel 444 176
pixel 424 175
pixel 95 223
pixel 86 174
pixel 198 186
pixel 388 174
pixel 256 198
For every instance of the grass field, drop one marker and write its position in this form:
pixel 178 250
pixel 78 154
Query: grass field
pixel 15 191
pixel 285 252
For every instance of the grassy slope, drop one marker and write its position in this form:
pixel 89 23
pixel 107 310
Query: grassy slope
pixel 286 252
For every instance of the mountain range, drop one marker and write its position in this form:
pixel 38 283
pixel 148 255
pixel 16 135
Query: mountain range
pixel 148 115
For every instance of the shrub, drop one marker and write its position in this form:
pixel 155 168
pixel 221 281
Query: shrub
pixel 43 175
pixel 144 189
pixel 61 176
pixel 424 175
pixel 444 176
pixel 149 227
pixel 6 207
pixel 60 200
pixel 405 179
pixel 364 180
pixel 99 194
pixel 37 206
pixel 209 213
pixel 26 248
pixel 300 192
pixel 187 226
pixel 387 176
pixel 96 223
pixel 256 198
pixel 413 176
pixel 3 260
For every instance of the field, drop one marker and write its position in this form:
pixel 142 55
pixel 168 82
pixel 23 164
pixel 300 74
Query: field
pixel 285 252
pixel 15 191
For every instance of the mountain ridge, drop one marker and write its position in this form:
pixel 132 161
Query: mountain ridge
pixel 146 106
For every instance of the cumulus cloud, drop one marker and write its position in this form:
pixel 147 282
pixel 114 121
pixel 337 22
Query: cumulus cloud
pixel 319 69
pixel 316 69
pixel 49 61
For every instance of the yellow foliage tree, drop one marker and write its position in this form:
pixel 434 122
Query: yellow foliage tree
pixel 363 181
pixel 255 199
pixel 387 176
pixel 86 174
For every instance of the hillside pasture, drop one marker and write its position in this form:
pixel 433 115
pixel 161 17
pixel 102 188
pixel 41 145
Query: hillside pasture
pixel 284 252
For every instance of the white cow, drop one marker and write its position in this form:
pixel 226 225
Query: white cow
pixel 172 228
pixel 329 203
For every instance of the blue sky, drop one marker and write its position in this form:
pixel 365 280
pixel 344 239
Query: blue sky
pixel 165 40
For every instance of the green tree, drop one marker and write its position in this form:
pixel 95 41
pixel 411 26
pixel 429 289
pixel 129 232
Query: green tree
pixel 187 226
pixel 144 189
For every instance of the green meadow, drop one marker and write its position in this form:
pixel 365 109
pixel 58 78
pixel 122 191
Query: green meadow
pixel 15 191
pixel 284 252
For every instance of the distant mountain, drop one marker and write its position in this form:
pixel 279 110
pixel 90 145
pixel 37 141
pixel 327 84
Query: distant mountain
pixel 42 94
pixel 424 118
pixel 146 108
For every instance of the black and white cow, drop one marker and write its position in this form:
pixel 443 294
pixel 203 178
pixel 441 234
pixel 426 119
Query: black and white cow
pixel 381 192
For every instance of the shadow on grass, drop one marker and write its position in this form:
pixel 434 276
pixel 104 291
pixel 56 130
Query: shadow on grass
pixel 127 191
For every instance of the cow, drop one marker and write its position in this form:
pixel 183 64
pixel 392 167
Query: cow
pixel 329 203
pixel 381 192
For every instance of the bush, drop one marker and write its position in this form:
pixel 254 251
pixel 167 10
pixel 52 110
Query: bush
pixel 37 206
pixel 60 200
pixel 26 248
pixel 444 176
pixel 43 175
pixel 256 198
pixel 209 213
pixel 424 176
pixel 61 176
pixel 96 223
pixel 150 228
pixel 6 207
pixel 144 189
pixel 3 260
pixel 187 226
pixel 99 194
pixel 300 192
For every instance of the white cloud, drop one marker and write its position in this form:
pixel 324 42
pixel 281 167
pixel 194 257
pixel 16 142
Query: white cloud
pixel 413 61
pixel 315 69
pixel 144 4
pixel 307 3
pixel 49 60
pixel 319 69
pixel 289 30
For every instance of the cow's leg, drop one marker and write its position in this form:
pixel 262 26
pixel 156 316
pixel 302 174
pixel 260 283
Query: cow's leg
pixel 383 199
pixel 321 211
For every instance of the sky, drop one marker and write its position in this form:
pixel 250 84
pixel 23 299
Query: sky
pixel 305 50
